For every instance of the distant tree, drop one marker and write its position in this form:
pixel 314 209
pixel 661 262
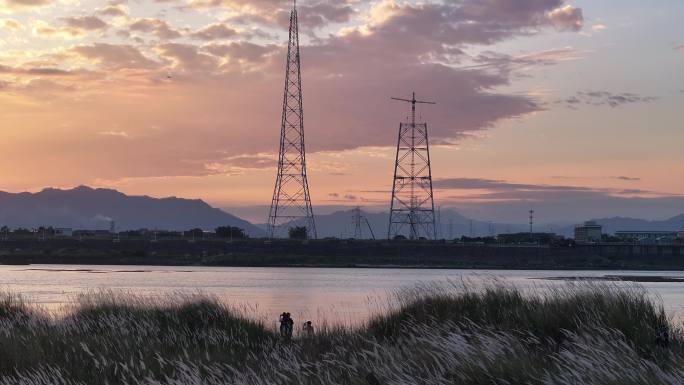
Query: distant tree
pixel 195 233
pixel 22 231
pixel 47 231
pixel 230 232
pixel 610 238
pixel 132 233
pixel 480 240
pixel 399 237
pixel 298 232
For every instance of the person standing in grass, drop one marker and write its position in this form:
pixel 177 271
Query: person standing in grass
pixel 308 329
pixel 663 336
pixel 286 326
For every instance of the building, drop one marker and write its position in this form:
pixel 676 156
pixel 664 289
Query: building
pixel 64 232
pixel 589 232
pixel 680 235
pixel 650 237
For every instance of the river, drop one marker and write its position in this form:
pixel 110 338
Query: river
pixel 341 296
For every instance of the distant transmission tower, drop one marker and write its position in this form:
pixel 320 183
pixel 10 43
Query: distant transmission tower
pixel 291 204
pixel 531 221
pixel 412 209
pixel 359 221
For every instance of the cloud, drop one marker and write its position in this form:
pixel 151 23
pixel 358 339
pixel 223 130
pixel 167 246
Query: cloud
pixel 498 190
pixel 621 178
pixel 243 162
pixel 159 28
pixel 186 57
pixel 11 25
pixel 117 134
pixel 498 185
pixel 598 27
pixel 23 4
pixel 211 98
pixel 604 98
pixel 322 13
pixel 73 27
pixel 523 62
pixel 217 31
pixel 566 18
pixel 243 51
pixel 114 56
pixel 276 13
pixel 36 71
pixel 86 23
pixel 114 10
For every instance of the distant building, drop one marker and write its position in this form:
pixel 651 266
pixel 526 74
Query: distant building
pixel 589 232
pixel 680 235
pixel 647 236
pixel 64 232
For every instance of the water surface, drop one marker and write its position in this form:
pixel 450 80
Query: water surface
pixel 337 295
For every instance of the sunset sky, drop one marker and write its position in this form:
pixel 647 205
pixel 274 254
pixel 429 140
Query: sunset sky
pixel 573 108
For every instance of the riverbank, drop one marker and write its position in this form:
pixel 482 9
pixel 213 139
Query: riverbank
pixel 338 253
pixel 427 335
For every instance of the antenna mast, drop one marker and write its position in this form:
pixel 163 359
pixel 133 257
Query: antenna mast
pixel 412 202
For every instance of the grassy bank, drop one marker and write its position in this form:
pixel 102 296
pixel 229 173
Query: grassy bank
pixel 341 253
pixel 429 335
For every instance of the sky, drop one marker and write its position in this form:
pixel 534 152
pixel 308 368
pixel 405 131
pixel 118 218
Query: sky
pixel 573 108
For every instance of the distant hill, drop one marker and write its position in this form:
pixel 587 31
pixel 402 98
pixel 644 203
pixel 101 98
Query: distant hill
pixel 340 224
pixel 88 208
pixel 611 225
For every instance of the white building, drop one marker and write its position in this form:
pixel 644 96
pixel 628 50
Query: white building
pixel 589 232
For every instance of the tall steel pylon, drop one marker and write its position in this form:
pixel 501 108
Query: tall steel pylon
pixel 412 211
pixel 291 204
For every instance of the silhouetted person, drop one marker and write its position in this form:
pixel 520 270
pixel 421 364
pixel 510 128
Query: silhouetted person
pixel 283 324
pixel 662 336
pixel 308 329
pixel 286 326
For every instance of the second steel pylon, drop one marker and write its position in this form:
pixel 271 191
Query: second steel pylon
pixel 412 211
pixel 291 204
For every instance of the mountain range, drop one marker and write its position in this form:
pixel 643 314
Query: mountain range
pixel 87 208
pixel 341 224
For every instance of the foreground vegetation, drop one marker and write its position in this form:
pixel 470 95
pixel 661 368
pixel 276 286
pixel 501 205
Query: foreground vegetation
pixel 429 335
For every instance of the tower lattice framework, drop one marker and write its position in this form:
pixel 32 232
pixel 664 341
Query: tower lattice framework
pixel 291 204
pixel 412 211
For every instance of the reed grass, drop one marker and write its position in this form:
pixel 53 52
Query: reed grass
pixel 574 334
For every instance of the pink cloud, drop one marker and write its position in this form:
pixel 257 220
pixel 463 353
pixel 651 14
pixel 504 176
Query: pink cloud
pixel 205 103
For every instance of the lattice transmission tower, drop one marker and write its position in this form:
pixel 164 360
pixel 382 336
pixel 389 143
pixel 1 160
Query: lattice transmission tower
pixel 291 204
pixel 359 221
pixel 412 211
